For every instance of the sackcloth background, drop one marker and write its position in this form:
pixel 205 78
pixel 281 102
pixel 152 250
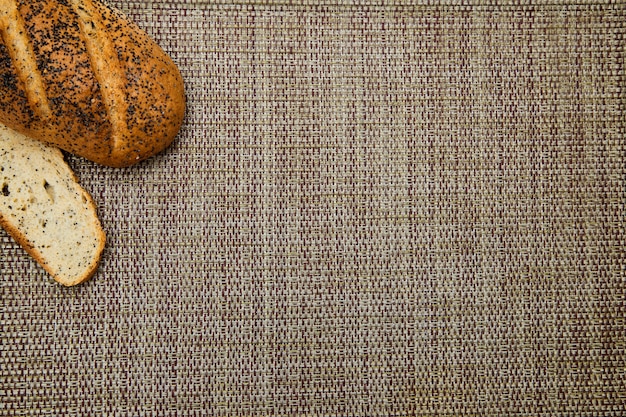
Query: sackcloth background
pixel 374 208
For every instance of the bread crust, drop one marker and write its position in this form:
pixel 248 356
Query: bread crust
pixel 115 97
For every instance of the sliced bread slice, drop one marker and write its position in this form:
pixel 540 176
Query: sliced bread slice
pixel 44 208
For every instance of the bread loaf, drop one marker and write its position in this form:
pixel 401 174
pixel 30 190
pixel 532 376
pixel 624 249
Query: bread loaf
pixel 45 209
pixel 81 76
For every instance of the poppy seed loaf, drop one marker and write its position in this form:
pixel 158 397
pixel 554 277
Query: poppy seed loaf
pixel 81 76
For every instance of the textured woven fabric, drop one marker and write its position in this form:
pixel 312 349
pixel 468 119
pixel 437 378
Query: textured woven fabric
pixel 371 210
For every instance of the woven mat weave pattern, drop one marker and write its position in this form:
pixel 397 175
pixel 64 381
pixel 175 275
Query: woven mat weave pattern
pixel 370 211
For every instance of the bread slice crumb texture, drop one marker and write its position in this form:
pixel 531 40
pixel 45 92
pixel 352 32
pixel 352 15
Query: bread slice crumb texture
pixel 45 209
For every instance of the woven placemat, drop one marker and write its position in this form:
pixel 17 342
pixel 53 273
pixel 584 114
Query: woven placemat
pixel 373 209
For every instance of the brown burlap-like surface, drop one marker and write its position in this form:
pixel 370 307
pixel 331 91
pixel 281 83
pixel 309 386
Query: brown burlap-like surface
pixel 373 209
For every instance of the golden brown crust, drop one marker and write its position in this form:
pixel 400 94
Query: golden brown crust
pixel 14 107
pixel 155 100
pixel 20 50
pixel 116 110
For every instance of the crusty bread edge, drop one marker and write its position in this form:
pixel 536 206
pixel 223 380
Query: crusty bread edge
pixel 177 101
pixel 23 241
